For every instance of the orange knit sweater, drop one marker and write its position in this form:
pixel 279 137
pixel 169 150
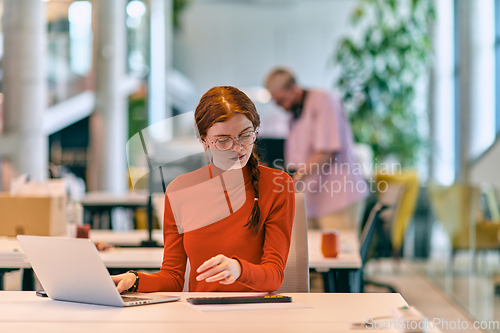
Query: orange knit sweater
pixel 262 257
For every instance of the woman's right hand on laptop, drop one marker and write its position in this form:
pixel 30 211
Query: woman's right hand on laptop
pixel 123 281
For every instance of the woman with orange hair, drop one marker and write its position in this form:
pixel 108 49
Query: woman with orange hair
pixel 231 219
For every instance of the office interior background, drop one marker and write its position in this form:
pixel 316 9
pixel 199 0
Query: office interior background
pixel 81 78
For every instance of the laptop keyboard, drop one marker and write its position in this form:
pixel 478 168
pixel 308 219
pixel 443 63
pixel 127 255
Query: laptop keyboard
pixel 133 299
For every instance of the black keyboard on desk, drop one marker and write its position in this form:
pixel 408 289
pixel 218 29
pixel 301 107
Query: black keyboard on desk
pixel 239 299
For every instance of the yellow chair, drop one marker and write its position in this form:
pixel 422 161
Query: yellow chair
pixel 452 207
pixel 408 182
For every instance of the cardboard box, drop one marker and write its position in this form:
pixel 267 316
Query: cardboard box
pixel 32 215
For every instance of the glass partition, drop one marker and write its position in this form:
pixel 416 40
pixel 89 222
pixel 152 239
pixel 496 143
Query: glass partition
pixel 464 262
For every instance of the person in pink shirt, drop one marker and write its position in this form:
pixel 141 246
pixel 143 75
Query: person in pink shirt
pixel 319 149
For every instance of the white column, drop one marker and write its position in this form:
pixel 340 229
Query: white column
pixel 442 95
pixel 160 63
pixel 24 84
pixel 482 108
pixel 464 97
pixel 476 80
pixel 111 100
pixel 169 54
pixel 476 100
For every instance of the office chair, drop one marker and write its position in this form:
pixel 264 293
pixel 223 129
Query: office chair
pixel 186 276
pixel 381 214
pixel 296 278
pixel 409 184
pixel 456 207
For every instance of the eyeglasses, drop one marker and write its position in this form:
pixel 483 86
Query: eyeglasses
pixel 228 143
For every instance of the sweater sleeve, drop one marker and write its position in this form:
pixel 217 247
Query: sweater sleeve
pixel 171 275
pixel 268 275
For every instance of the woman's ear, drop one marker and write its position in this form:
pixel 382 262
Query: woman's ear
pixel 204 142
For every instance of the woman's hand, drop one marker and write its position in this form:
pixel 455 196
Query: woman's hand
pixel 219 268
pixel 123 281
pixel 298 176
pixel 101 246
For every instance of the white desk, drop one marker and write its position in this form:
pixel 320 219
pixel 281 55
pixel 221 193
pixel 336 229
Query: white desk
pixel 126 238
pixel 152 257
pixel 348 258
pixel 342 273
pixel 146 258
pixel 12 258
pixel 141 258
pixel 109 199
pixel 336 271
pixel 25 312
pixel 118 258
pixel 11 253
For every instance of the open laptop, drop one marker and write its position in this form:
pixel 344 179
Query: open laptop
pixel 71 269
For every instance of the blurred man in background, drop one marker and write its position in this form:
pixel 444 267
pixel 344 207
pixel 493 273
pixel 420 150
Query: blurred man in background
pixel 319 149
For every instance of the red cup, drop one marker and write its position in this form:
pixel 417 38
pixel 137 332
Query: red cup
pixel 330 244
pixel 82 231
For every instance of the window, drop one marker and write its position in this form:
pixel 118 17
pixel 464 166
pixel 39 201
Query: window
pixel 497 65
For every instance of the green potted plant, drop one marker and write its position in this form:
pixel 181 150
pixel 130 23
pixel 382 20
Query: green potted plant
pixel 378 73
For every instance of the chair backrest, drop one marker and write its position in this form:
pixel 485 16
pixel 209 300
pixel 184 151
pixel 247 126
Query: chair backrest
pixel 369 230
pixel 186 276
pixel 452 206
pixel 297 267
pixel 408 181
pixel 384 210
